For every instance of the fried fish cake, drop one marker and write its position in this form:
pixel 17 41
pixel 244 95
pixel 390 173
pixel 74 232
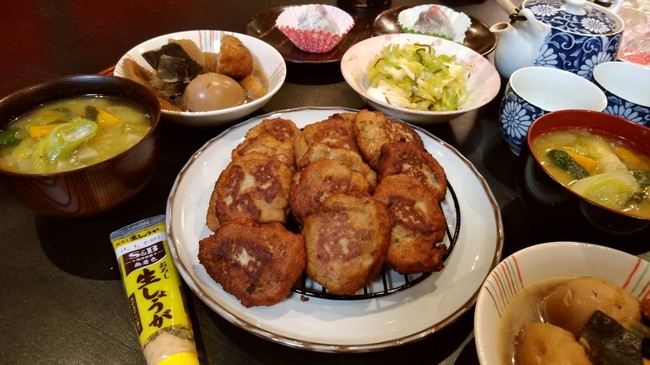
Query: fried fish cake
pixel 346 242
pixel 344 156
pixel 272 137
pixel 265 145
pixel 284 130
pixel 407 158
pixel 334 132
pixel 320 179
pixel 234 60
pixel 253 188
pixel 373 129
pixel 419 225
pixel 258 263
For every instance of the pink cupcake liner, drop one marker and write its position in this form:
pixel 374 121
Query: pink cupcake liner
pixel 314 38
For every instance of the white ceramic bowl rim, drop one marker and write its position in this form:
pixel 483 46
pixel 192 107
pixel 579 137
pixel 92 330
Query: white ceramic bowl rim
pixel 552 89
pixel 626 80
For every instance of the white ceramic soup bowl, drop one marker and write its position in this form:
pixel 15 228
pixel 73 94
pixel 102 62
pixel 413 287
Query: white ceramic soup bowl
pixel 546 261
pixel 627 88
pixel 483 81
pixel 264 55
pixel 534 91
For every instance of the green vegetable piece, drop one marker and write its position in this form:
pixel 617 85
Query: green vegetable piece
pixel 91 112
pixel 53 115
pixel 64 139
pixel 10 137
pixel 643 177
pixel 567 163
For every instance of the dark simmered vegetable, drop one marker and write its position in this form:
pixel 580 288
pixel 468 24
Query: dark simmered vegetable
pixel 609 343
pixel 173 64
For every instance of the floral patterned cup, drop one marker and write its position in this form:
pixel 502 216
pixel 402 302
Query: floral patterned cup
pixel 627 88
pixel 534 91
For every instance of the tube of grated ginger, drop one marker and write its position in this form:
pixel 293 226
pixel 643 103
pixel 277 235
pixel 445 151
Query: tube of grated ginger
pixel 153 288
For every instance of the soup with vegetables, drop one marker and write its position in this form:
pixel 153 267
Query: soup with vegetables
pixel 71 133
pixel 601 169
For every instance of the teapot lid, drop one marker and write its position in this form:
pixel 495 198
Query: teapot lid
pixel 576 16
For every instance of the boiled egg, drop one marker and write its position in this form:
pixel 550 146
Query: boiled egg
pixel 212 91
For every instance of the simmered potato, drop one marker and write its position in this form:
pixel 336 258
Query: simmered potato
pixel 571 304
pixel 542 343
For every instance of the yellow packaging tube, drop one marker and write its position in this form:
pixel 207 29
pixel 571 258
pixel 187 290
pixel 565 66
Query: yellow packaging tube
pixel 153 288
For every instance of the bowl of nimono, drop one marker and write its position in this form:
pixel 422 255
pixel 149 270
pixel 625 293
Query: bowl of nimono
pixel 206 78
pixel 564 303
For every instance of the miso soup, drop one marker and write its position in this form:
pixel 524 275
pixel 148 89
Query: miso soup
pixel 71 133
pixel 601 169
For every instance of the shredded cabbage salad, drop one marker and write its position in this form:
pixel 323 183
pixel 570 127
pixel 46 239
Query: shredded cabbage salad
pixel 412 76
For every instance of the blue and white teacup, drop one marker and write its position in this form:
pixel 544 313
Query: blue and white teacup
pixel 627 88
pixel 534 91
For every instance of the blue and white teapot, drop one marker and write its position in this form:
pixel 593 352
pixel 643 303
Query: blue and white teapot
pixel 572 35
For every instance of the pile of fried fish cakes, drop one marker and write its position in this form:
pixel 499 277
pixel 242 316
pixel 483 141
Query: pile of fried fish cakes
pixel 337 200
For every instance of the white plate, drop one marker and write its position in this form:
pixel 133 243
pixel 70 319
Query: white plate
pixel 341 325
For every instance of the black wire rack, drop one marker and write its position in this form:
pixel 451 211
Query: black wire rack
pixel 389 281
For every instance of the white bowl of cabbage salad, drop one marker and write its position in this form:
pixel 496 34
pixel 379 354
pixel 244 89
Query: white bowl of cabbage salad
pixel 419 78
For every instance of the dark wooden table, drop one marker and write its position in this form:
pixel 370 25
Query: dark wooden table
pixel 61 296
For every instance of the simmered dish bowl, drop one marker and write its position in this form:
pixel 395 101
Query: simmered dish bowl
pixel 213 87
pixel 78 145
pixel 471 82
pixel 540 301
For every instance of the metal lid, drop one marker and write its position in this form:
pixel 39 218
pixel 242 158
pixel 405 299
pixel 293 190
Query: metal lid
pixel 576 16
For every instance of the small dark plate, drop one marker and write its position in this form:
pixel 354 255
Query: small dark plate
pixel 478 37
pixel 262 26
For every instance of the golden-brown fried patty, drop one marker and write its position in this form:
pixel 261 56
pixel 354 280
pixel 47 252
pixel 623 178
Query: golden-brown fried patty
pixel 320 179
pixel 272 138
pixel 334 132
pixel 265 145
pixel 346 242
pixel 281 129
pixel 346 157
pixel 407 158
pixel 416 237
pixel 253 188
pixel 374 129
pixel 235 60
pixel 258 263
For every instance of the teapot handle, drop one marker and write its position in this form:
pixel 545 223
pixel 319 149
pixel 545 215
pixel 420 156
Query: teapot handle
pixel 509 7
